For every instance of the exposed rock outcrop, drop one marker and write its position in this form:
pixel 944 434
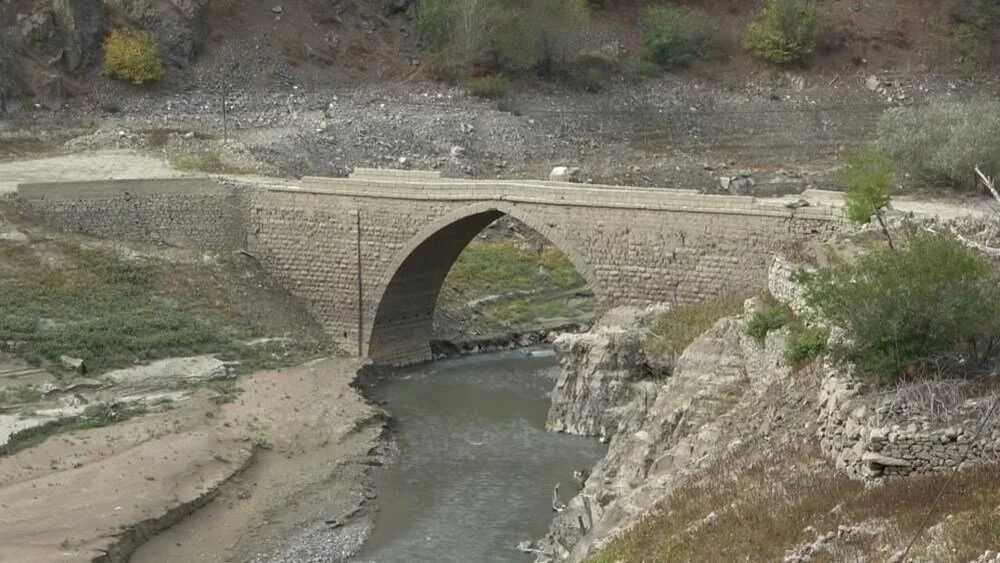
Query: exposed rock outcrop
pixel 599 369
pixel 81 26
pixel 661 431
pixel 177 25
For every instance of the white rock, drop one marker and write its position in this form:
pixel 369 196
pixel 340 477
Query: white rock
pixel 564 174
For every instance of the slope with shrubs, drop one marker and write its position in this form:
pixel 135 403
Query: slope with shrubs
pixel 926 309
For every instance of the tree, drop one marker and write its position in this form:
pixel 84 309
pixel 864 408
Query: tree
pixel 540 34
pixel 867 175
pixel 458 34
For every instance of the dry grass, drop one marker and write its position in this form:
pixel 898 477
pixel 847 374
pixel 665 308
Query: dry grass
pixel 673 330
pixel 208 162
pixel 765 496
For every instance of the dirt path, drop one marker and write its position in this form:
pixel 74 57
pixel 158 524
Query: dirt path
pixel 97 165
pixel 257 462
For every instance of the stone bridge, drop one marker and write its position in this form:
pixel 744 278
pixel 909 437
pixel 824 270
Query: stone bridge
pixel 369 253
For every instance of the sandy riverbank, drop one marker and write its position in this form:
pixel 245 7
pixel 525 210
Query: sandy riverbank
pixel 286 457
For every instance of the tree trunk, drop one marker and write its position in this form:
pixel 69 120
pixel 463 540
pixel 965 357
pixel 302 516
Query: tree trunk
pixel 885 230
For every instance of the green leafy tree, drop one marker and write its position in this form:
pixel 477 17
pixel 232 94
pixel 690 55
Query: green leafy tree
pixel 931 306
pixel 867 176
pixel 784 32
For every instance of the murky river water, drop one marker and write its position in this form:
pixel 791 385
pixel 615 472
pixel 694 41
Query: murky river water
pixel 476 466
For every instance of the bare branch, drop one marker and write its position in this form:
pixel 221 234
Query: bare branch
pixel 988 182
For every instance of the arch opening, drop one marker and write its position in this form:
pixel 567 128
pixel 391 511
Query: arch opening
pixel 401 322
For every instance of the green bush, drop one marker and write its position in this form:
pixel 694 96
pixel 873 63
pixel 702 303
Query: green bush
pixel 942 143
pixel 933 304
pixel 133 56
pixel 674 330
pixel 592 71
pixel 674 36
pixel 647 68
pixel 490 86
pixel 767 319
pixel 784 32
pixel 805 344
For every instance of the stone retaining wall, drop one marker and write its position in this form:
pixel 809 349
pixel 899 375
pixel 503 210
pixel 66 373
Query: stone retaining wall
pixel 872 438
pixel 195 212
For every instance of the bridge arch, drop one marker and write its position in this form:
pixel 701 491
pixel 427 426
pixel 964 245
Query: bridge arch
pixel 400 313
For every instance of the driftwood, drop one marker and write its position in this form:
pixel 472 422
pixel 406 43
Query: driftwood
pixel 988 182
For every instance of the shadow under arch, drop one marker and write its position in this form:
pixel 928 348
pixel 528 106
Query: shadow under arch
pixel 400 315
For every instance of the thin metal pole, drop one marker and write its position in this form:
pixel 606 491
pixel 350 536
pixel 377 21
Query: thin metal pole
pixel 225 122
pixel 361 318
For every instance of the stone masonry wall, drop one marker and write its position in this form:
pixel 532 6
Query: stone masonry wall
pixel 869 438
pixel 187 212
pixel 632 245
pixel 368 254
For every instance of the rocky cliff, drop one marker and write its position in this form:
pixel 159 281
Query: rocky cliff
pixel 733 450
pixel 46 47
pixel 661 431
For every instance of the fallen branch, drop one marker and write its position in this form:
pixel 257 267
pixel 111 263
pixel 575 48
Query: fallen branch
pixel 988 182
pixel 987 250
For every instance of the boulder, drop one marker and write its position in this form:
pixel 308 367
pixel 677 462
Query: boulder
pixel 738 185
pixel 564 174
pixel 75 365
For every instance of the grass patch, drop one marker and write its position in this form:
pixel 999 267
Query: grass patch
pixel 208 162
pixel 20 395
pixel 529 310
pixel 766 319
pixel 674 330
pixel 489 268
pixel 805 344
pixel 92 304
pixel 98 308
pixel 94 416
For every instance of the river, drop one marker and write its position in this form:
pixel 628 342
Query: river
pixel 476 466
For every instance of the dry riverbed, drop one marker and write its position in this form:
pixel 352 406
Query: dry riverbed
pixel 284 451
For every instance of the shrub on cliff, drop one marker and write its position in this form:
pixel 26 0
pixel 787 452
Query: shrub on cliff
pixel 133 56
pixel 933 307
pixel 783 33
pixel 674 36
pixel 805 344
pixel 766 319
pixel 942 143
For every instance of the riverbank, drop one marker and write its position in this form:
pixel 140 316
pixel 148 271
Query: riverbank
pixel 234 479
